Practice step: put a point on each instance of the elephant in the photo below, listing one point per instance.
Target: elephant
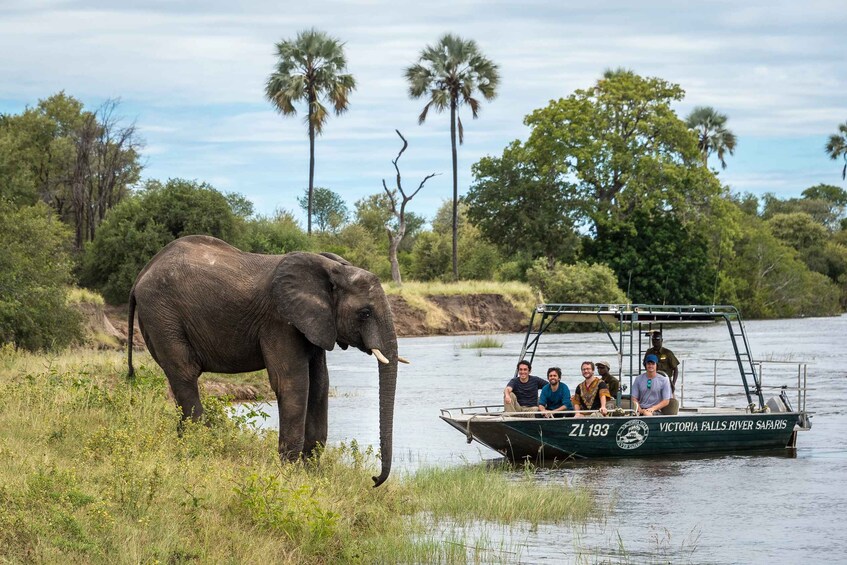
(204, 305)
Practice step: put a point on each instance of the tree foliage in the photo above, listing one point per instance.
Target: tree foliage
(712, 134)
(274, 236)
(626, 149)
(836, 147)
(521, 209)
(822, 202)
(768, 280)
(657, 259)
(580, 282)
(373, 213)
(310, 69)
(431, 255)
(449, 74)
(80, 162)
(35, 271)
(329, 211)
(141, 225)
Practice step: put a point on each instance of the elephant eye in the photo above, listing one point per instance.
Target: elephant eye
(365, 313)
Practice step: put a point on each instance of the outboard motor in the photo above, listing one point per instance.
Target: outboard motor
(781, 404)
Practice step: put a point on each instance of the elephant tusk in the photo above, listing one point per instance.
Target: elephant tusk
(403, 360)
(379, 356)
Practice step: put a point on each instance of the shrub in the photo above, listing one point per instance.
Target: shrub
(580, 283)
(35, 271)
(138, 227)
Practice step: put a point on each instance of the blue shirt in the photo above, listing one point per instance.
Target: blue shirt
(552, 399)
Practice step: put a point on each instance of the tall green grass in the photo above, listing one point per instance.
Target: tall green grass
(486, 342)
(93, 471)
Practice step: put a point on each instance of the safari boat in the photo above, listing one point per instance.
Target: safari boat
(763, 424)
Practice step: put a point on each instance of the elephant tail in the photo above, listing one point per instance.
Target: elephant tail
(130, 327)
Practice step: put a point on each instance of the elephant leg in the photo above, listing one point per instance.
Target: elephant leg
(316, 412)
(182, 372)
(289, 378)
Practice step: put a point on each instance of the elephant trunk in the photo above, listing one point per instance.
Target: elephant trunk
(387, 389)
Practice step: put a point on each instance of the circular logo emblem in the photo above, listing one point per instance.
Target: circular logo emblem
(632, 434)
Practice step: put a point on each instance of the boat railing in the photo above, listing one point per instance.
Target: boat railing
(497, 410)
(801, 375)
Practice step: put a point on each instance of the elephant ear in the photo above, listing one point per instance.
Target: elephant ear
(337, 258)
(304, 293)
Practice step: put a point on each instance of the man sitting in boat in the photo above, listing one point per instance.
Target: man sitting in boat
(604, 368)
(668, 363)
(521, 394)
(651, 391)
(555, 396)
(592, 393)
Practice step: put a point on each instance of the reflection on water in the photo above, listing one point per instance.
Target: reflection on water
(778, 508)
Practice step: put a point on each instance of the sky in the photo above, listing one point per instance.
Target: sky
(191, 76)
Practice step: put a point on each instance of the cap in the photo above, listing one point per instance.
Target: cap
(604, 363)
(651, 359)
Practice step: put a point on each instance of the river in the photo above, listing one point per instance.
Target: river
(716, 509)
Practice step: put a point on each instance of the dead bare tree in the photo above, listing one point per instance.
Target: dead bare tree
(396, 236)
(106, 165)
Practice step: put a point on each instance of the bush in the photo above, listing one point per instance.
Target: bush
(35, 271)
(580, 283)
(138, 227)
(274, 236)
(431, 257)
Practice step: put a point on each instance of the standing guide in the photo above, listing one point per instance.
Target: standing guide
(667, 361)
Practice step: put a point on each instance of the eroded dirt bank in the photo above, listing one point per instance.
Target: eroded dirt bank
(445, 315)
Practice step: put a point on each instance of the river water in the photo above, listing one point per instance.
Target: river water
(719, 509)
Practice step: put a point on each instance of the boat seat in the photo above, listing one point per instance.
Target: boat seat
(672, 409)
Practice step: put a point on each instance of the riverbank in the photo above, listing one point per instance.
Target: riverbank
(95, 472)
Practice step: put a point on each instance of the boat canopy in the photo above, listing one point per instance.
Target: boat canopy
(630, 319)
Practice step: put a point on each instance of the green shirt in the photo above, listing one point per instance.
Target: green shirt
(667, 360)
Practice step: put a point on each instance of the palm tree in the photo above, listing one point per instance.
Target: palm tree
(837, 147)
(712, 135)
(449, 73)
(308, 69)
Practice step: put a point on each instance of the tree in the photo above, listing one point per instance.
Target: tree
(822, 202)
(137, 228)
(310, 68)
(521, 209)
(449, 73)
(712, 133)
(327, 208)
(657, 259)
(431, 253)
(81, 163)
(373, 212)
(275, 235)
(837, 147)
(768, 280)
(396, 234)
(35, 271)
(625, 150)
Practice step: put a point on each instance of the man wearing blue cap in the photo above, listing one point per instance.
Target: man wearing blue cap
(651, 391)
(668, 363)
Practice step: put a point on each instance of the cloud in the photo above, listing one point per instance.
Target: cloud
(193, 74)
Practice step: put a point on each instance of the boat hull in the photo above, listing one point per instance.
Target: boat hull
(598, 437)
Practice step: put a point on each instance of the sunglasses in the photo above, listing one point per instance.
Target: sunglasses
(649, 384)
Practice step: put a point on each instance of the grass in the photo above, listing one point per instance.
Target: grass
(416, 294)
(486, 342)
(77, 295)
(94, 472)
